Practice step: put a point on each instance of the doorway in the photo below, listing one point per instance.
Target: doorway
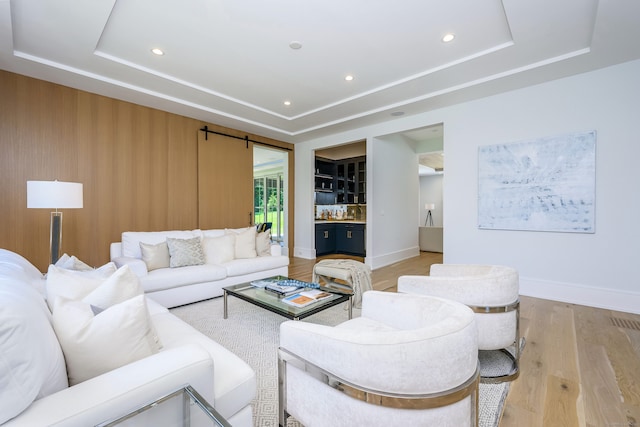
(270, 177)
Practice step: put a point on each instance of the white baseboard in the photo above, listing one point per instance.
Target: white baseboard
(610, 299)
(304, 253)
(393, 257)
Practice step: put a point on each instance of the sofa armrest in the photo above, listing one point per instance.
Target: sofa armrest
(276, 249)
(123, 390)
(136, 265)
(115, 250)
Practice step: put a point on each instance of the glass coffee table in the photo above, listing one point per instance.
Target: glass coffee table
(273, 302)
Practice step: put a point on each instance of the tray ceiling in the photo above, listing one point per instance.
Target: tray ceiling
(235, 63)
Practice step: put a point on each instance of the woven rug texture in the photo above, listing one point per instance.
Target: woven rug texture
(252, 333)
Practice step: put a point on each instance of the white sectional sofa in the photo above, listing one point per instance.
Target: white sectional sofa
(231, 256)
(34, 362)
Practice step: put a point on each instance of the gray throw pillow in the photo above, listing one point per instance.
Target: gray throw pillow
(184, 252)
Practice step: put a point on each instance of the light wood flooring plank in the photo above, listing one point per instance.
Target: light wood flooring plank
(600, 390)
(560, 409)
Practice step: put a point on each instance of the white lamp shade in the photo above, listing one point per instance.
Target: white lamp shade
(54, 195)
(429, 206)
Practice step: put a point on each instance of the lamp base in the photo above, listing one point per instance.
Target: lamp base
(55, 236)
(429, 219)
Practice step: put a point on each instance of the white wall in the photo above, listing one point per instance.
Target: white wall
(593, 269)
(392, 168)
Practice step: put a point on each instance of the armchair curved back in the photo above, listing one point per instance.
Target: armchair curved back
(403, 347)
(492, 291)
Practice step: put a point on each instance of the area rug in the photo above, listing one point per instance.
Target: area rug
(253, 334)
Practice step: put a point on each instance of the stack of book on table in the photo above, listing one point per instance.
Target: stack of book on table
(304, 298)
(283, 288)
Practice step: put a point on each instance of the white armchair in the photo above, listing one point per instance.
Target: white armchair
(406, 361)
(492, 292)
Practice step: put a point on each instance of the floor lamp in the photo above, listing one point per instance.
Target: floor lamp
(54, 195)
(429, 219)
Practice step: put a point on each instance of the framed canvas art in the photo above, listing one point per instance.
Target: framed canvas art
(546, 184)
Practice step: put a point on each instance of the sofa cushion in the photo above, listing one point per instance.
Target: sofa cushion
(185, 252)
(131, 239)
(155, 255)
(31, 361)
(167, 278)
(239, 267)
(95, 344)
(245, 242)
(218, 250)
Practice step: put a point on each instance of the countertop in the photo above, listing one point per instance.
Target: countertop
(342, 221)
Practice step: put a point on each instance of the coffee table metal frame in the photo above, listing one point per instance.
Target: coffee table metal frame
(272, 302)
(190, 398)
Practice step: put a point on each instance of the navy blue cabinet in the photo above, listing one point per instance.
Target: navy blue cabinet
(341, 181)
(325, 239)
(351, 175)
(324, 182)
(350, 239)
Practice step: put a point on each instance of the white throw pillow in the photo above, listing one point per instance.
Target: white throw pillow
(103, 271)
(263, 243)
(105, 286)
(218, 250)
(64, 258)
(185, 252)
(155, 256)
(121, 286)
(31, 361)
(93, 345)
(70, 284)
(73, 263)
(245, 242)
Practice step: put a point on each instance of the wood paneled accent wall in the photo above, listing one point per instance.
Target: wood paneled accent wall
(138, 165)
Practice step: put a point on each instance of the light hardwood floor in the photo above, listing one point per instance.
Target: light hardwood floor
(580, 365)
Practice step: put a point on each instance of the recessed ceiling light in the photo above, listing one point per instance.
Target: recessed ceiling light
(295, 45)
(157, 51)
(448, 37)
(287, 103)
(348, 77)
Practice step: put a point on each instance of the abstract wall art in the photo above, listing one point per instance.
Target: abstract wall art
(546, 184)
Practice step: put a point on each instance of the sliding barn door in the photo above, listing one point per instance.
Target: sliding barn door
(225, 182)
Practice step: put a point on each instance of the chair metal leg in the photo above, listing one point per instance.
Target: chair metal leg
(514, 372)
(282, 393)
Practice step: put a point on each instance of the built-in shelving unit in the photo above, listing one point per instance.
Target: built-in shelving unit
(345, 179)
